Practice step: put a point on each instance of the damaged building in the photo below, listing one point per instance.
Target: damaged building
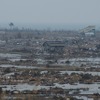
(54, 47)
(88, 31)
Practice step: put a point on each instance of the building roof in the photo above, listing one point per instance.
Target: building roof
(54, 43)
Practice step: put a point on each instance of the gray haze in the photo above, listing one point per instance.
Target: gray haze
(50, 11)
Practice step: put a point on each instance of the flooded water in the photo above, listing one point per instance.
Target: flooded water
(82, 98)
(17, 59)
(80, 61)
(21, 87)
(93, 88)
(16, 66)
(79, 72)
(10, 56)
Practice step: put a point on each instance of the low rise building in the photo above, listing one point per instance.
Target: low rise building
(54, 47)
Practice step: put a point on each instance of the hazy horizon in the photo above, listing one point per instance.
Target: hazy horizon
(48, 26)
(84, 12)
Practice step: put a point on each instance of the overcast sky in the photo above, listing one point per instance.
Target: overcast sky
(50, 11)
